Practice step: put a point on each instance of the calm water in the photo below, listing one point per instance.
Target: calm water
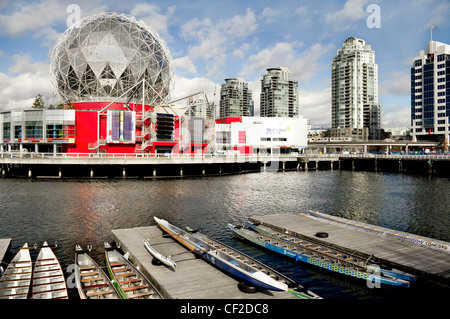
(84, 211)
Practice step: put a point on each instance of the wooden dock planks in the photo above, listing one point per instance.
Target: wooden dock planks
(193, 277)
(413, 258)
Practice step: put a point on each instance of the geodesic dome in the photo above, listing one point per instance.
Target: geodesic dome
(107, 56)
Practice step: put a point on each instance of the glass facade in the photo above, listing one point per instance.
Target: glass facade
(430, 93)
(46, 126)
(279, 94)
(235, 99)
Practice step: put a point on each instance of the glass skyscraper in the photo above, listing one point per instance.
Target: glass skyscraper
(279, 94)
(235, 98)
(430, 94)
(355, 111)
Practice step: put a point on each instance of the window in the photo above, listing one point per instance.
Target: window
(6, 130)
(54, 131)
(33, 129)
(18, 131)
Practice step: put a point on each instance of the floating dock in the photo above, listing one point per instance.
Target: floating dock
(426, 258)
(193, 277)
(5, 245)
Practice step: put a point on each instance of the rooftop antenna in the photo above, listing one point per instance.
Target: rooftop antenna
(431, 30)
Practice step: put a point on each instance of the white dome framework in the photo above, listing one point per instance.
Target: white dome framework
(107, 57)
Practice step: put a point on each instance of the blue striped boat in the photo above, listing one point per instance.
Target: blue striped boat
(308, 252)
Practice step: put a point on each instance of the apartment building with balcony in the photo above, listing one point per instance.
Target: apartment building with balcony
(355, 111)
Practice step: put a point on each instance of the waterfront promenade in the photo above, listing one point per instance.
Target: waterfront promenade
(91, 165)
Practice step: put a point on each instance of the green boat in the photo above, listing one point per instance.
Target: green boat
(127, 279)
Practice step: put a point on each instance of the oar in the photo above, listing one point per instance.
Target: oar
(192, 251)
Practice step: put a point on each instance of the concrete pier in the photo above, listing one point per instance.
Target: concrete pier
(193, 278)
(426, 258)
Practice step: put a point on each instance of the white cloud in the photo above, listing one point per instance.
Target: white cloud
(399, 83)
(25, 80)
(395, 116)
(270, 15)
(152, 16)
(32, 17)
(316, 106)
(212, 42)
(303, 65)
(353, 10)
(240, 52)
(184, 87)
(184, 63)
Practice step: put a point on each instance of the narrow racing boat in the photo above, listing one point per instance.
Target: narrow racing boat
(300, 249)
(234, 262)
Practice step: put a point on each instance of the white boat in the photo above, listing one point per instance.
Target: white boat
(165, 260)
(128, 280)
(91, 280)
(48, 277)
(15, 281)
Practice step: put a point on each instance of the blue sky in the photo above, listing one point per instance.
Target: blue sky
(213, 40)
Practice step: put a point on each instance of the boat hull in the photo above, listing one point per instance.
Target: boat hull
(91, 280)
(128, 280)
(322, 263)
(16, 279)
(214, 256)
(48, 277)
(398, 277)
(165, 260)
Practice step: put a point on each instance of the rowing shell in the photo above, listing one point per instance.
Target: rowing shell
(353, 260)
(314, 257)
(165, 260)
(234, 262)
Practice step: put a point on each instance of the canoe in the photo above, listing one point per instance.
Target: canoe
(165, 260)
(314, 254)
(48, 277)
(91, 280)
(336, 253)
(128, 280)
(234, 262)
(16, 279)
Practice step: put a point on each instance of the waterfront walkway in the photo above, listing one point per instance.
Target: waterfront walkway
(101, 165)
